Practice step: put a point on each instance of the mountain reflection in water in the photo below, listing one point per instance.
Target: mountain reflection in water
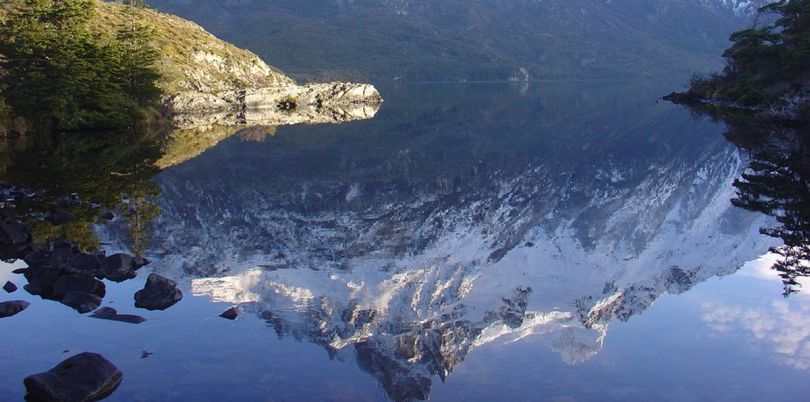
(471, 214)
(457, 217)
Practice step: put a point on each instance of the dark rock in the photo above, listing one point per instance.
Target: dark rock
(74, 283)
(85, 264)
(60, 217)
(682, 98)
(60, 257)
(118, 267)
(10, 308)
(109, 313)
(68, 201)
(8, 212)
(107, 215)
(159, 293)
(63, 244)
(84, 377)
(140, 262)
(81, 301)
(37, 259)
(41, 280)
(230, 313)
(13, 232)
(10, 287)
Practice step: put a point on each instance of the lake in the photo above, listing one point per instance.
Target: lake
(549, 241)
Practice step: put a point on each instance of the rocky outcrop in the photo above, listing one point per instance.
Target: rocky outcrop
(275, 105)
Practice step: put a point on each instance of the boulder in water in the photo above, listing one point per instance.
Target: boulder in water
(84, 377)
(109, 313)
(10, 308)
(159, 293)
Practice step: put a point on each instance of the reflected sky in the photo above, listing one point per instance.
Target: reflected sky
(677, 350)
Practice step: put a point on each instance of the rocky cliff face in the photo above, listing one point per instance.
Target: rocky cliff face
(207, 81)
(276, 105)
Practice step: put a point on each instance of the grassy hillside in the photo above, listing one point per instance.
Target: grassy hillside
(193, 59)
(79, 64)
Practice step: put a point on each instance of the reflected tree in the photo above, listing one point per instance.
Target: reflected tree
(777, 183)
(84, 175)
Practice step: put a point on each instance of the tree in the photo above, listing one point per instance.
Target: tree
(765, 65)
(59, 70)
(137, 57)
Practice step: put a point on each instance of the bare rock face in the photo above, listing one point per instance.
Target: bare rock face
(84, 377)
(276, 105)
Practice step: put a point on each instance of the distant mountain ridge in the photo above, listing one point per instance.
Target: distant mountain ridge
(458, 40)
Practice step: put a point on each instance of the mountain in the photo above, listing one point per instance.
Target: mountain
(418, 40)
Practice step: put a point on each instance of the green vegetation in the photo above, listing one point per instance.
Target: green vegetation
(767, 67)
(106, 170)
(57, 69)
(79, 64)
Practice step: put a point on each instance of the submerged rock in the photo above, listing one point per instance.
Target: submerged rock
(159, 293)
(109, 313)
(81, 301)
(231, 313)
(10, 287)
(84, 377)
(10, 308)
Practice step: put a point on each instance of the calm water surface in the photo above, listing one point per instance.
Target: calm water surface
(549, 242)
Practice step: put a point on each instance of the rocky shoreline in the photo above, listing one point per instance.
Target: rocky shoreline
(790, 113)
(334, 102)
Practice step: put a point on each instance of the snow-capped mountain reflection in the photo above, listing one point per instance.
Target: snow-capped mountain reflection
(408, 241)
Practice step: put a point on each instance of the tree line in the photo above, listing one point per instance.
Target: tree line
(61, 68)
(766, 65)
